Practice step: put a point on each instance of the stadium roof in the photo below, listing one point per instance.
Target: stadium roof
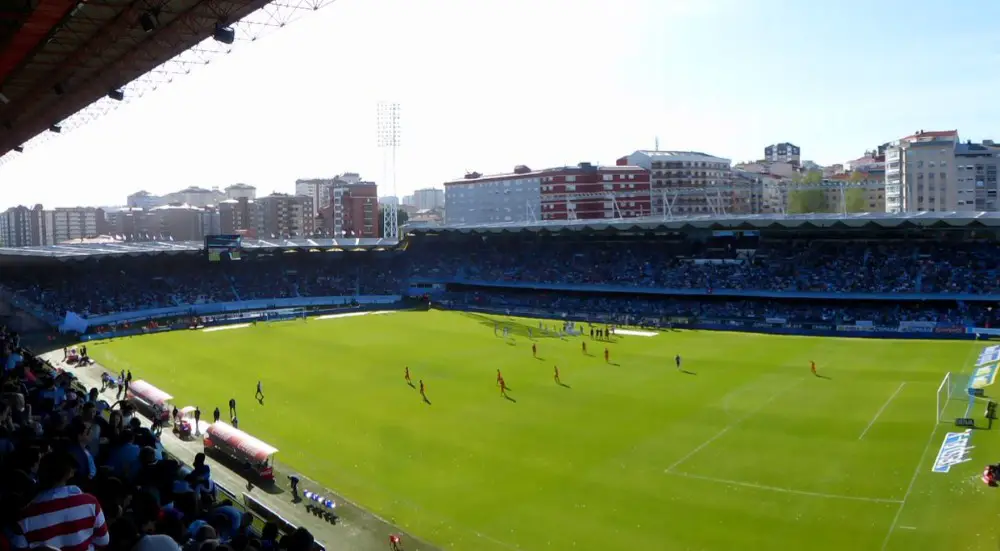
(734, 221)
(65, 62)
(96, 250)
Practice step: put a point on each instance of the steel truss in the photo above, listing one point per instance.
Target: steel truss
(109, 50)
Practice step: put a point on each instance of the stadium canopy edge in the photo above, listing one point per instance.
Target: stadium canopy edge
(72, 251)
(734, 221)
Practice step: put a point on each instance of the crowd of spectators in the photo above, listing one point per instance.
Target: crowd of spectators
(805, 266)
(77, 473)
(129, 284)
(98, 287)
(647, 310)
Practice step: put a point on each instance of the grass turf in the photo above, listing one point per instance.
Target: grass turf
(748, 451)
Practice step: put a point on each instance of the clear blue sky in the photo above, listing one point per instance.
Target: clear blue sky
(488, 84)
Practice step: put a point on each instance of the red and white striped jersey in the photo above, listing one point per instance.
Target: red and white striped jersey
(65, 518)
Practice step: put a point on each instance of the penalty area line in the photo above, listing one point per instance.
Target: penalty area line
(881, 409)
(781, 490)
(731, 426)
(909, 489)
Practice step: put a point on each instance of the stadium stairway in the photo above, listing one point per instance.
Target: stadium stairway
(346, 534)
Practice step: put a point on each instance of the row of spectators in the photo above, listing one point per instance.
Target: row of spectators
(818, 266)
(129, 284)
(96, 287)
(77, 473)
(633, 309)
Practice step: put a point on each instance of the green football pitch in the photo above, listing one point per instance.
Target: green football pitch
(745, 450)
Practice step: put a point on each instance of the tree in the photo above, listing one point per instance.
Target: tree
(802, 201)
(856, 198)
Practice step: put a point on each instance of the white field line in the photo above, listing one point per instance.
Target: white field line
(880, 410)
(353, 314)
(729, 427)
(226, 327)
(909, 489)
(781, 490)
(916, 471)
(634, 333)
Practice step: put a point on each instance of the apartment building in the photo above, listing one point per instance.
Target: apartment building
(976, 166)
(783, 153)
(858, 191)
(921, 175)
(584, 191)
(131, 221)
(353, 210)
(284, 215)
(428, 199)
(22, 227)
(71, 224)
(240, 191)
(688, 182)
(240, 216)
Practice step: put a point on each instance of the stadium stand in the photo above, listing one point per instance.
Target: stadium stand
(61, 446)
(79, 473)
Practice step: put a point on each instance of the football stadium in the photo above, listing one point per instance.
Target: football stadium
(716, 382)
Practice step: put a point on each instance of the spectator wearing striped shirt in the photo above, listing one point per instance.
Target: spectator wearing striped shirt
(61, 516)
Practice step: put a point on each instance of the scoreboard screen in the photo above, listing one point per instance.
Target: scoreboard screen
(223, 247)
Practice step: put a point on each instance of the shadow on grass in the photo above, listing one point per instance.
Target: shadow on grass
(686, 372)
(818, 376)
(517, 328)
(509, 398)
(562, 384)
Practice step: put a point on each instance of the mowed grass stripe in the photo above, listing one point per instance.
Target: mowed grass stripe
(583, 467)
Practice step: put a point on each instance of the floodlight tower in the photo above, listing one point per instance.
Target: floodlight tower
(388, 141)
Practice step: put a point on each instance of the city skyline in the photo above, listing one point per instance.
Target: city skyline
(728, 79)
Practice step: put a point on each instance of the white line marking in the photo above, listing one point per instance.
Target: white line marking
(353, 314)
(909, 489)
(634, 333)
(916, 472)
(729, 427)
(907, 527)
(880, 410)
(785, 490)
(226, 327)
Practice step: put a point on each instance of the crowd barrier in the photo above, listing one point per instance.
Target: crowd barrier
(230, 318)
(740, 293)
(76, 322)
(777, 326)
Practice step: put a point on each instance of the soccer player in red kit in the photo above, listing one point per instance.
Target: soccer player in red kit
(812, 367)
(394, 544)
(499, 377)
(534, 350)
(503, 388)
(607, 355)
(557, 374)
(406, 375)
(422, 389)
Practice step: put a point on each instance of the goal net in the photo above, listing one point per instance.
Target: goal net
(953, 398)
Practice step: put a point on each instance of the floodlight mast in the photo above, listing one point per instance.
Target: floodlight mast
(388, 141)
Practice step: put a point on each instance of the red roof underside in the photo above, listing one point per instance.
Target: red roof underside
(46, 16)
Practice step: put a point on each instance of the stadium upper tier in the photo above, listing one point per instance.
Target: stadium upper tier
(734, 221)
(119, 248)
(900, 263)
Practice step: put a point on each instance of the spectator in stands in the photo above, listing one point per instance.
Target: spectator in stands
(61, 515)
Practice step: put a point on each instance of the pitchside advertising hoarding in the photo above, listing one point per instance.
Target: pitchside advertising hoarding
(954, 450)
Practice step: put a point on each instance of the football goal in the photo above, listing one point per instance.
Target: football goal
(954, 400)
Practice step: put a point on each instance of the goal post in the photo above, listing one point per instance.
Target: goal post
(954, 399)
(943, 397)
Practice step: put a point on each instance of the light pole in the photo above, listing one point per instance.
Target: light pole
(388, 141)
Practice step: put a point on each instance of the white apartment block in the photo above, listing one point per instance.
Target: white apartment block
(921, 176)
(686, 182)
(71, 224)
(428, 199)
